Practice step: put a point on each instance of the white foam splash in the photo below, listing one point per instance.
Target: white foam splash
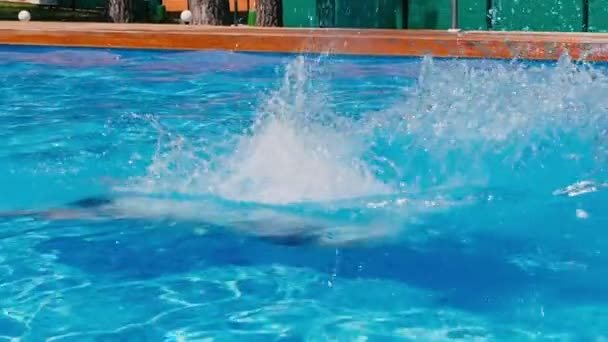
(463, 125)
(283, 164)
(297, 151)
(579, 188)
(294, 155)
(582, 214)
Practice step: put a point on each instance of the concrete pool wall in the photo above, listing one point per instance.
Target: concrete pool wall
(470, 44)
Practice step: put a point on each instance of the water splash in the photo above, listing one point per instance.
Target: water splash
(498, 124)
(579, 188)
(465, 133)
(296, 152)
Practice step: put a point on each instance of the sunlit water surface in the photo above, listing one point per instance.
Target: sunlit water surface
(443, 199)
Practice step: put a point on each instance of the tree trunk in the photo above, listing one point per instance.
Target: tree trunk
(209, 12)
(119, 11)
(269, 13)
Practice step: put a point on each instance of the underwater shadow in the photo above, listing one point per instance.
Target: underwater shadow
(475, 276)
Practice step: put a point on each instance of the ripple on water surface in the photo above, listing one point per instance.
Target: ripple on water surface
(477, 188)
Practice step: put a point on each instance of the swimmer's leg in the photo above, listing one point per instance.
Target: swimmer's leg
(91, 202)
(291, 240)
(320, 240)
(19, 213)
(311, 236)
(86, 208)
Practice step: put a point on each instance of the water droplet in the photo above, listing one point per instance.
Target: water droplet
(581, 214)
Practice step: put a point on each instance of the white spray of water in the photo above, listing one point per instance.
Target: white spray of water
(297, 151)
(291, 157)
(460, 126)
(502, 103)
(499, 124)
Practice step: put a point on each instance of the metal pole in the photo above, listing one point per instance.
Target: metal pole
(235, 19)
(455, 16)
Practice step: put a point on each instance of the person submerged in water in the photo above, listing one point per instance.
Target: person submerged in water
(90, 207)
(277, 229)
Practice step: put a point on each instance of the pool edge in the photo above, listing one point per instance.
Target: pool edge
(415, 43)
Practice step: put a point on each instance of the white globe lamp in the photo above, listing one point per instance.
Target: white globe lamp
(24, 16)
(186, 16)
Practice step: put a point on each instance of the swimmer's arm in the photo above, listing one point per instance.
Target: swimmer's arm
(88, 208)
(52, 214)
(19, 213)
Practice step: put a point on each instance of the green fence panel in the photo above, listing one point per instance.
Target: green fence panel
(326, 10)
(473, 14)
(437, 14)
(343, 13)
(598, 16)
(300, 13)
(545, 15)
(369, 13)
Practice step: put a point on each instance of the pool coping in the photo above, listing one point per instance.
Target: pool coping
(470, 44)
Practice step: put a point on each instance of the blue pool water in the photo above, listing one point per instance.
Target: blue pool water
(288, 198)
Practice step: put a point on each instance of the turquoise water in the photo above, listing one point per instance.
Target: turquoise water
(280, 197)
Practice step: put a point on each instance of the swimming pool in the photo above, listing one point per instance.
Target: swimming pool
(447, 199)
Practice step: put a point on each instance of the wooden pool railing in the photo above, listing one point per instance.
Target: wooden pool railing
(470, 44)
